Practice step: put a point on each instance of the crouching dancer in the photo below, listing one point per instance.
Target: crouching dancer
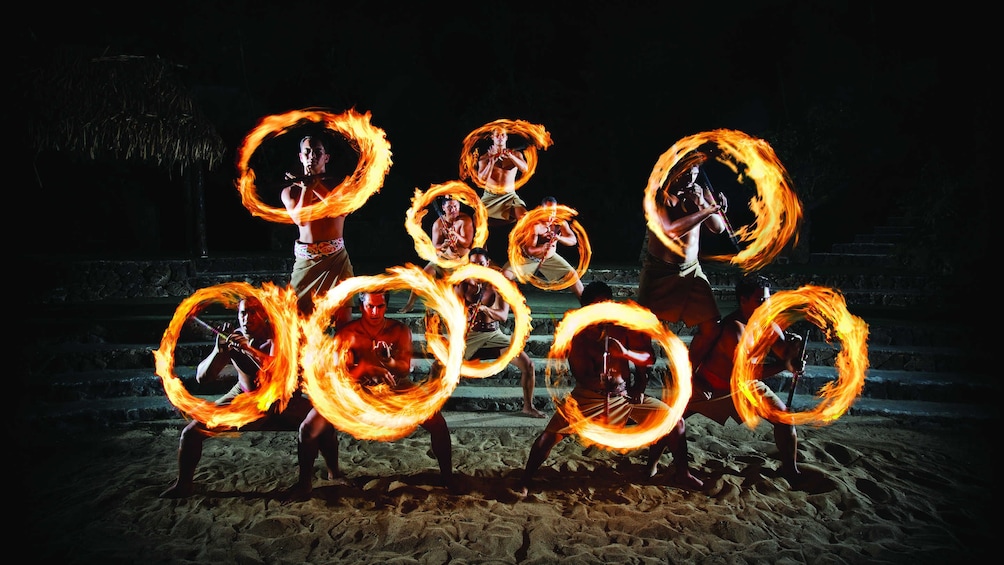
(247, 349)
(601, 392)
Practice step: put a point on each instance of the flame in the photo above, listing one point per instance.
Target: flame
(825, 308)
(367, 179)
(635, 317)
(777, 208)
(419, 208)
(536, 134)
(378, 413)
(521, 324)
(277, 379)
(522, 236)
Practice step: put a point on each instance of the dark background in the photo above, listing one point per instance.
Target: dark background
(876, 111)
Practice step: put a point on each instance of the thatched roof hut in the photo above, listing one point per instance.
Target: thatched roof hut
(131, 109)
(123, 107)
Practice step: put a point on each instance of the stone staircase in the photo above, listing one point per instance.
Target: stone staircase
(92, 332)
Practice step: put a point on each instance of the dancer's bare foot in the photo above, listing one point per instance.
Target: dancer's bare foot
(653, 469)
(178, 491)
(522, 492)
(533, 412)
(338, 478)
(687, 481)
(791, 473)
(522, 488)
(405, 309)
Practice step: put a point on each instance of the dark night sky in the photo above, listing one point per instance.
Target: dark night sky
(876, 87)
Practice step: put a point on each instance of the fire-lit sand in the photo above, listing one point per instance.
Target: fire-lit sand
(877, 490)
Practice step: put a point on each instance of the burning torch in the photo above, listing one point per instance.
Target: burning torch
(728, 225)
(797, 374)
(229, 339)
(606, 375)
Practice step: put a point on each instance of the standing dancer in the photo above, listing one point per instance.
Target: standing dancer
(497, 169)
(672, 284)
(486, 310)
(321, 262)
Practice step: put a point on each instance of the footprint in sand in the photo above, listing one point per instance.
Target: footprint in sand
(872, 490)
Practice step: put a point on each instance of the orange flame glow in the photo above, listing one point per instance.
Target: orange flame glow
(777, 208)
(538, 136)
(825, 308)
(378, 413)
(521, 316)
(419, 208)
(522, 235)
(367, 179)
(277, 379)
(635, 317)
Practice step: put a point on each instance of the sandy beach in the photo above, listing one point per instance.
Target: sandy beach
(878, 490)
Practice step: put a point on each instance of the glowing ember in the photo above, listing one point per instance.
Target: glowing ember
(419, 208)
(517, 303)
(634, 317)
(825, 308)
(777, 208)
(352, 193)
(277, 379)
(538, 136)
(378, 413)
(522, 236)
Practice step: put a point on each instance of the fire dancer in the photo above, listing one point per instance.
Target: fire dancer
(486, 310)
(600, 358)
(542, 257)
(712, 393)
(497, 169)
(452, 236)
(321, 258)
(672, 284)
(246, 350)
(321, 262)
(379, 353)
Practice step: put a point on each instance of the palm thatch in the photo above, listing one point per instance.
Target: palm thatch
(132, 108)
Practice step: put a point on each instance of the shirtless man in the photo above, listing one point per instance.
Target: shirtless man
(673, 286)
(542, 257)
(321, 262)
(246, 350)
(380, 351)
(321, 258)
(452, 236)
(497, 169)
(712, 395)
(486, 310)
(600, 359)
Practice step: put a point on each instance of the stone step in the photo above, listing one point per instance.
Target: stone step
(888, 236)
(73, 357)
(901, 298)
(132, 320)
(85, 363)
(896, 381)
(462, 406)
(81, 281)
(133, 324)
(877, 261)
(872, 288)
(864, 248)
